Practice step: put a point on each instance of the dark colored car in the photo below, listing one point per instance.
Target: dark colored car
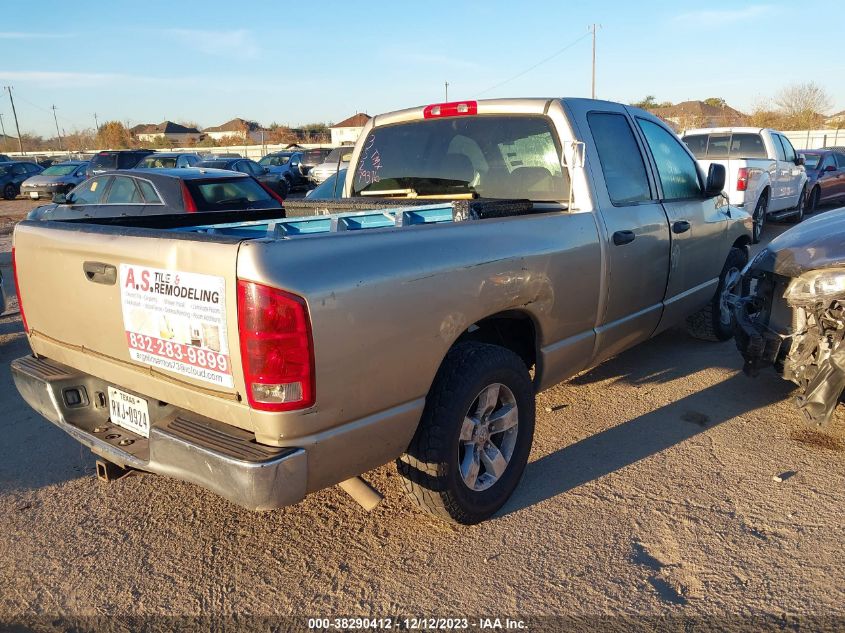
(330, 189)
(4, 158)
(275, 182)
(111, 160)
(159, 192)
(789, 305)
(57, 178)
(313, 157)
(169, 160)
(13, 174)
(287, 165)
(825, 176)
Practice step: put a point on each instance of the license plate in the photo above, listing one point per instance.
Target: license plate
(33, 195)
(130, 412)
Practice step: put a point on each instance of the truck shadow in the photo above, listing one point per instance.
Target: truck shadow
(639, 438)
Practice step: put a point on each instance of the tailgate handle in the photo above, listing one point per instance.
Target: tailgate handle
(100, 273)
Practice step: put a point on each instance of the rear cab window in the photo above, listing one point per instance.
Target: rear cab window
(492, 156)
(104, 161)
(722, 145)
(621, 161)
(229, 193)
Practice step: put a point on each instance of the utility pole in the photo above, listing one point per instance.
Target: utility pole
(5, 138)
(59, 134)
(96, 123)
(447, 91)
(15, 114)
(593, 28)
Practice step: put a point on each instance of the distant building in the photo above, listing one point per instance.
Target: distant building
(692, 114)
(173, 132)
(240, 128)
(348, 130)
(7, 143)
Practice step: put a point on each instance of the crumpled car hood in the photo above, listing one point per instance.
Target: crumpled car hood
(814, 244)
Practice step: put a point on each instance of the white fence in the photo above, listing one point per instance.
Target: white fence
(815, 139)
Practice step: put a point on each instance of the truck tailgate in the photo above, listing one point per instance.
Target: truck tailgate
(155, 314)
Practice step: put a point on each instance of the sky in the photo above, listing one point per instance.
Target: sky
(301, 62)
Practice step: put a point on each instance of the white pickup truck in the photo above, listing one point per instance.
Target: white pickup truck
(764, 173)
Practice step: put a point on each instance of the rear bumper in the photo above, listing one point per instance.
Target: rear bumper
(181, 445)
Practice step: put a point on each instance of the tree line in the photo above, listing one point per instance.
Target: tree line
(116, 135)
(801, 106)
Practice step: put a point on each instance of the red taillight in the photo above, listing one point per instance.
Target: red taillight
(453, 108)
(188, 199)
(276, 348)
(18, 291)
(275, 196)
(742, 179)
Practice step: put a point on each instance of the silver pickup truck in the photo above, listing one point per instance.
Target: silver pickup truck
(495, 248)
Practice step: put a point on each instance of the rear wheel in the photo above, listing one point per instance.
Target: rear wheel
(759, 217)
(715, 321)
(9, 192)
(796, 217)
(813, 201)
(472, 444)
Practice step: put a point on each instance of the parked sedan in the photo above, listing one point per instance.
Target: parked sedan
(825, 176)
(159, 192)
(13, 174)
(168, 160)
(337, 159)
(58, 178)
(274, 182)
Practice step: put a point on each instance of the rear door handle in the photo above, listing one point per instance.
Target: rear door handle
(681, 226)
(623, 237)
(100, 273)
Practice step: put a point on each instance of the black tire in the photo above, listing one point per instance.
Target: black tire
(709, 324)
(284, 187)
(813, 200)
(759, 216)
(431, 466)
(9, 192)
(796, 217)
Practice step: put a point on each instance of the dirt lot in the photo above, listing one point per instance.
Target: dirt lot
(651, 491)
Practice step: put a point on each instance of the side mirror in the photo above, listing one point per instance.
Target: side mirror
(266, 170)
(59, 198)
(715, 180)
(830, 168)
(799, 160)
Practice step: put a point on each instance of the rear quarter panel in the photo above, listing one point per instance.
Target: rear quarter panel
(387, 305)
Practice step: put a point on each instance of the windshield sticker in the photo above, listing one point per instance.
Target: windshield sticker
(176, 321)
(370, 162)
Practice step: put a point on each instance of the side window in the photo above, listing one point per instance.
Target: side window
(840, 161)
(192, 160)
(620, 158)
(19, 170)
(256, 169)
(81, 171)
(32, 168)
(677, 169)
(149, 192)
(242, 167)
(182, 161)
(91, 191)
(781, 155)
(124, 191)
(788, 151)
(828, 160)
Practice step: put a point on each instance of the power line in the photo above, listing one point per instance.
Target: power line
(540, 63)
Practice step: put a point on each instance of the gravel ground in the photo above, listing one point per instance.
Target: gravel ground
(662, 483)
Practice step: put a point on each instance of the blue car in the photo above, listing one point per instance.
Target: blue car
(287, 165)
(12, 175)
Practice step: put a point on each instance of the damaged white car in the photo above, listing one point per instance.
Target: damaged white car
(789, 303)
